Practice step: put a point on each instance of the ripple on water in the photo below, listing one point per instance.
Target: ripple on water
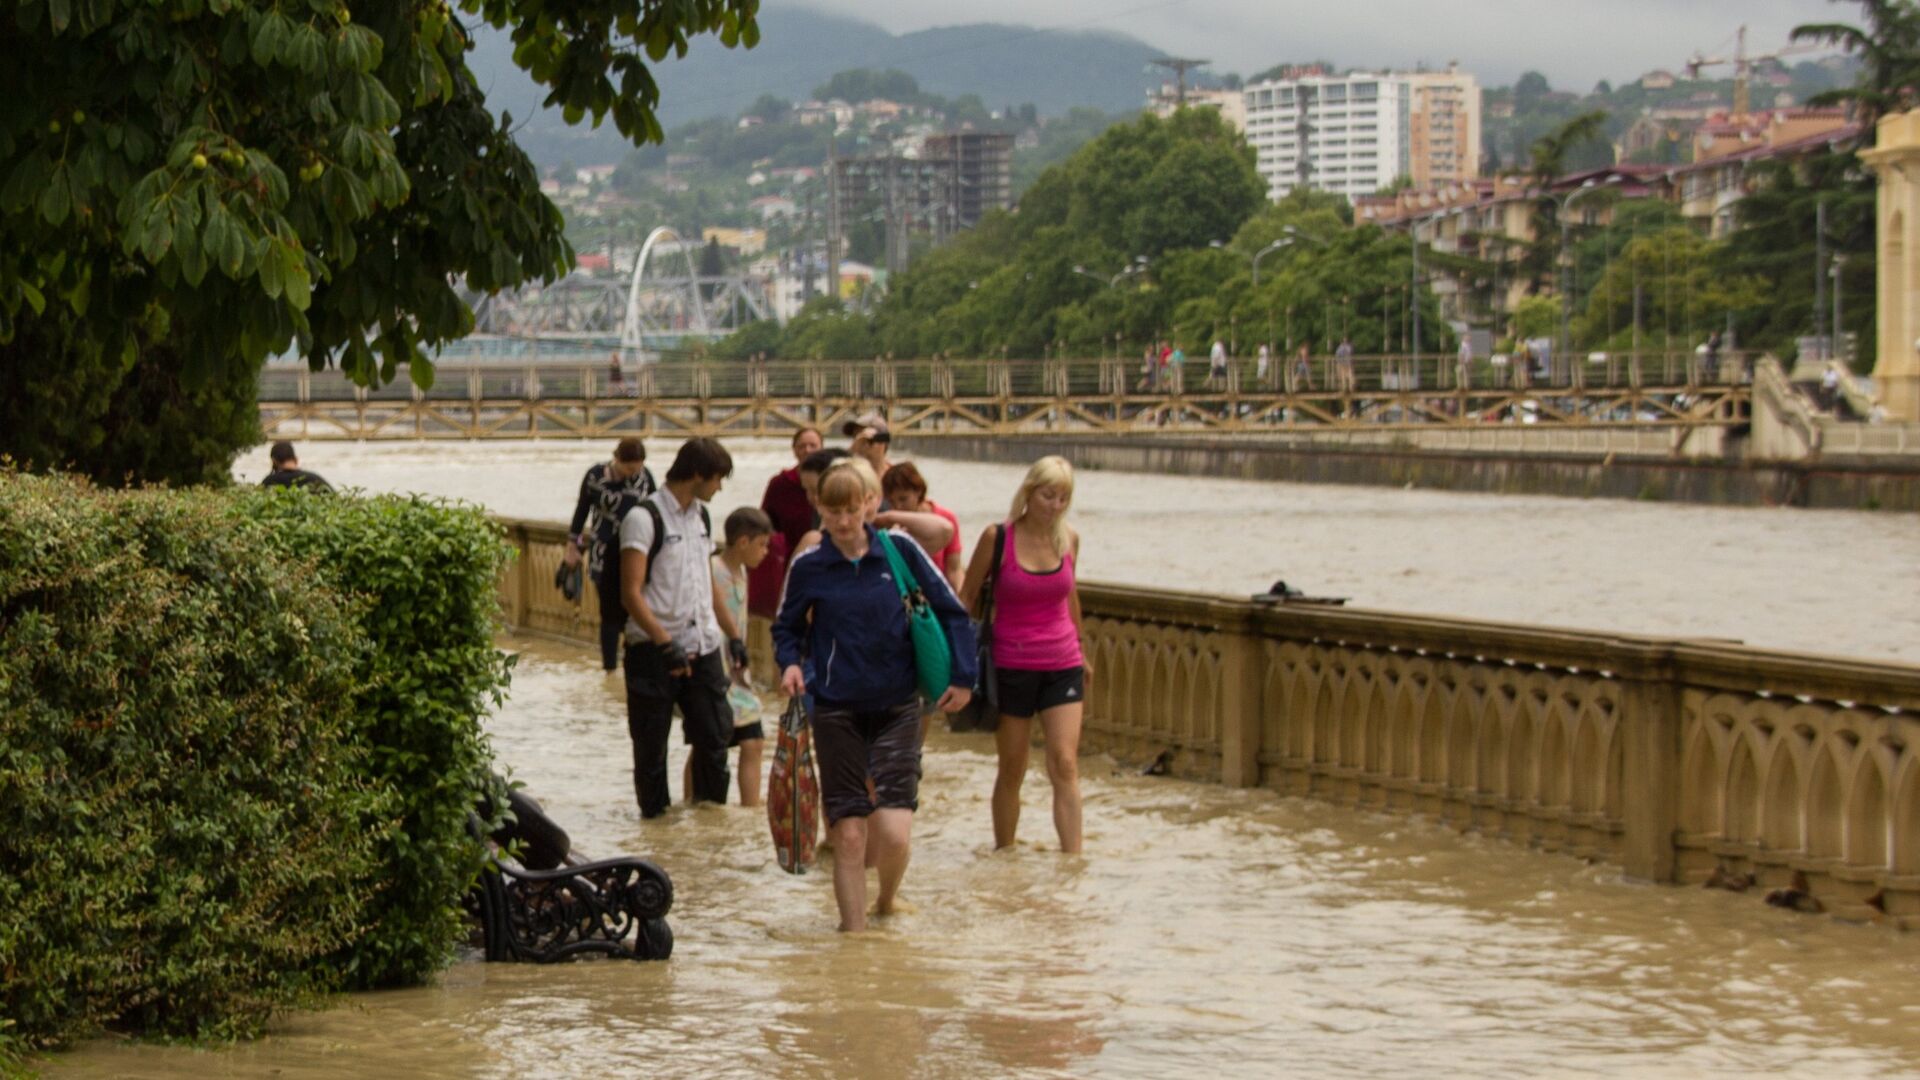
(1206, 929)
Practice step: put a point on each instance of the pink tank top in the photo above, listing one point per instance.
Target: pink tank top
(1032, 629)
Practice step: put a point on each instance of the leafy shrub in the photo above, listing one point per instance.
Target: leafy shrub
(239, 740)
(429, 573)
(185, 793)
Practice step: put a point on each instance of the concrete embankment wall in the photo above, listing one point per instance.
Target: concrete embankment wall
(1827, 483)
(1672, 759)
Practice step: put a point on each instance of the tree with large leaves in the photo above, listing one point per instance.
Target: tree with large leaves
(188, 187)
(1888, 44)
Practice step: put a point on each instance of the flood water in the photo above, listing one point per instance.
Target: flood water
(1206, 932)
(1823, 581)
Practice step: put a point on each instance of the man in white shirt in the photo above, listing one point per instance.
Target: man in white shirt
(1217, 364)
(678, 629)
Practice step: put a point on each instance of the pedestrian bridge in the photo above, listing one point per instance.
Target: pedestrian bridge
(931, 398)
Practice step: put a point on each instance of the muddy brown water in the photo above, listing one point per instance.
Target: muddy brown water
(1207, 931)
(1824, 581)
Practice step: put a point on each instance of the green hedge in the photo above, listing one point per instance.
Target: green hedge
(239, 736)
(430, 575)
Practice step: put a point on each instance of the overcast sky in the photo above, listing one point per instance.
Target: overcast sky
(1574, 42)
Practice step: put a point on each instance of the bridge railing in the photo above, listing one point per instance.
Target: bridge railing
(1673, 759)
(992, 378)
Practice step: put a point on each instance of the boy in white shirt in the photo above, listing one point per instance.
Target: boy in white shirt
(749, 533)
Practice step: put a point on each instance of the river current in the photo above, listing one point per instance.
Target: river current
(1828, 581)
(1206, 932)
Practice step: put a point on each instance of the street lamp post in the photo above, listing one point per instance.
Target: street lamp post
(1564, 203)
(1838, 260)
(1137, 266)
(1256, 256)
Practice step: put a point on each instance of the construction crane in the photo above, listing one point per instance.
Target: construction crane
(1742, 66)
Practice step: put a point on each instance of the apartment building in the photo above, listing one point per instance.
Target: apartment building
(1347, 134)
(981, 172)
(1443, 132)
(1356, 133)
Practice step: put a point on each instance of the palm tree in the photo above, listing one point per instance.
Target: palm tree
(1889, 48)
(1548, 159)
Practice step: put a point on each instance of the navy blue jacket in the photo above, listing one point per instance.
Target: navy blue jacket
(861, 649)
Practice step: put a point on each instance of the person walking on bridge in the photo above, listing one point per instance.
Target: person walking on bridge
(1036, 631)
(1344, 382)
(1302, 373)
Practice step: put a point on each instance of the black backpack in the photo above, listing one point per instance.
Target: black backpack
(660, 530)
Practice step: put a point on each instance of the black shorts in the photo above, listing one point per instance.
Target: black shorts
(1025, 694)
(747, 733)
(854, 746)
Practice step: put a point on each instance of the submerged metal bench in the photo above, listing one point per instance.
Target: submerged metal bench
(570, 906)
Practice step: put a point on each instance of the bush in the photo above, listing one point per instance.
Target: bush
(239, 741)
(185, 793)
(429, 573)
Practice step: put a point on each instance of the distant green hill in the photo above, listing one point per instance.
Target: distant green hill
(1055, 70)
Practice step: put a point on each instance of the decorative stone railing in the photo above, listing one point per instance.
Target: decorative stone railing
(1673, 759)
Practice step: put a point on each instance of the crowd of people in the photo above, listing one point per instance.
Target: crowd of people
(809, 596)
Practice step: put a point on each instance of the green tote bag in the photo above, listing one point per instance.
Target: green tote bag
(932, 653)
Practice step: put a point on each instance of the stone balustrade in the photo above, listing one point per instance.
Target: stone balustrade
(1673, 759)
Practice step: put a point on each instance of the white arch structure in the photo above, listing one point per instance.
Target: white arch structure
(684, 290)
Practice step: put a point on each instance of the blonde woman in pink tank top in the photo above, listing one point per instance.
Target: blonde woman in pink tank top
(1036, 645)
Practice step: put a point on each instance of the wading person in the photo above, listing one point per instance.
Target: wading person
(932, 531)
(287, 471)
(872, 441)
(905, 491)
(786, 499)
(678, 629)
(788, 506)
(607, 492)
(1036, 646)
(844, 609)
(748, 536)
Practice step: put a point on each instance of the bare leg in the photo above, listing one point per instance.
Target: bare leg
(1062, 726)
(686, 782)
(750, 771)
(1013, 739)
(850, 871)
(889, 839)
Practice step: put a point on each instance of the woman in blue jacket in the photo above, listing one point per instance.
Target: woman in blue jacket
(843, 608)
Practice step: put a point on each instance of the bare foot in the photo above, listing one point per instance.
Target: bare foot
(896, 906)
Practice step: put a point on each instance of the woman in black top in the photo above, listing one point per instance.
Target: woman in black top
(607, 492)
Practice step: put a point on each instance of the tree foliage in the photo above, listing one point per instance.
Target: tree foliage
(1150, 232)
(1685, 293)
(1775, 244)
(190, 186)
(1888, 43)
(864, 84)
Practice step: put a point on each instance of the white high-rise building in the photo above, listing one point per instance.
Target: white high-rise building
(1354, 134)
(1342, 133)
